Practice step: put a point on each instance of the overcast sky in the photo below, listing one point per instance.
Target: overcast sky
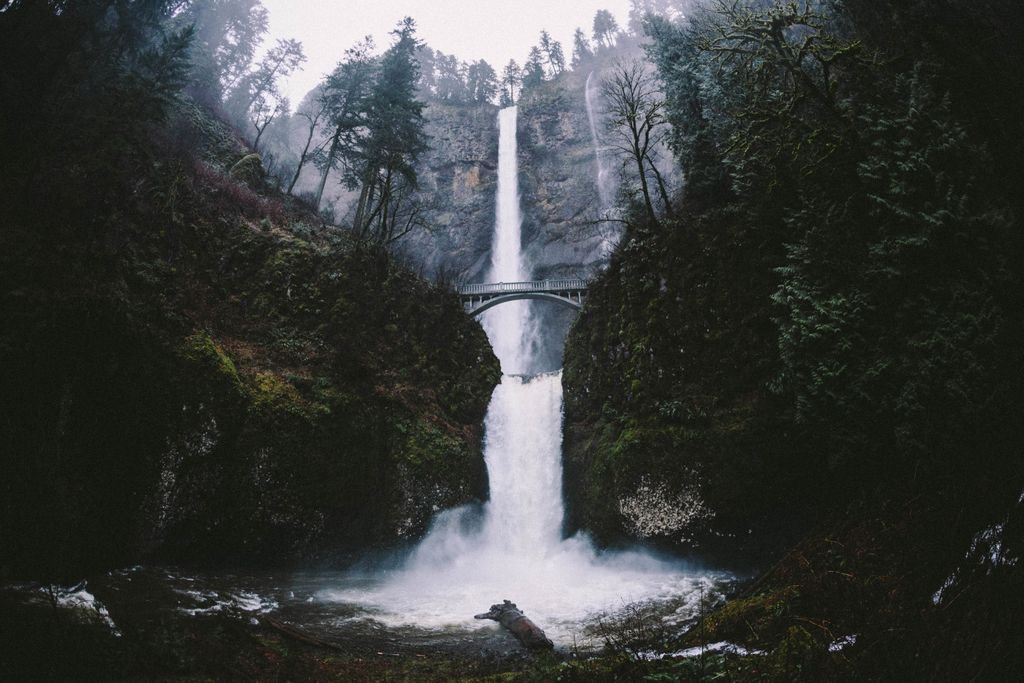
(494, 30)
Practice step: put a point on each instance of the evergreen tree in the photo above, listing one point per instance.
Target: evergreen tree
(552, 52)
(313, 111)
(344, 94)
(384, 157)
(227, 34)
(260, 84)
(556, 58)
(89, 83)
(605, 28)
(639, 10)
(511, 80)
(481, 82)
(451, 78)
(428, 75)
(581, 51)
(533, 70)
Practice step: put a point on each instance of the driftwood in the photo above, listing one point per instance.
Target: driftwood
(301, 636)
(527, 632)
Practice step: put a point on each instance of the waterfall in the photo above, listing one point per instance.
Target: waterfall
(508, 326)
(515, 550)
(523, 427)
(604, 188)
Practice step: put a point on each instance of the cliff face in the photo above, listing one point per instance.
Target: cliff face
(228, 383)
(458, 181)
(558, 181)
(671, 433)
(557, 184)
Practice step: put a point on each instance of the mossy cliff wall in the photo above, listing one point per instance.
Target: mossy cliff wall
(671, 433)
(224, 382)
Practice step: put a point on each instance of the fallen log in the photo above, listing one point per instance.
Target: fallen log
(296, 634)
(527, 632)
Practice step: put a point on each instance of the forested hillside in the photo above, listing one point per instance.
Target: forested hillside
(822, 339)
(195, 367)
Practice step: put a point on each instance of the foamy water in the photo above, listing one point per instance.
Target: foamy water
(513, 549)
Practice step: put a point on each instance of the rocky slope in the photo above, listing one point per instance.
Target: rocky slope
(199, 372)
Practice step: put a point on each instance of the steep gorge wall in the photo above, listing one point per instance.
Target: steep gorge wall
(231, 385)
(458, 180)
(558, 181)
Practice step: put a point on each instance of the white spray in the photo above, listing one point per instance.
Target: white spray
(517, 551)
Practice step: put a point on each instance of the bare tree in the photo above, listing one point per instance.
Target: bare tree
(636, 119)
(262, 112)
(318, 110)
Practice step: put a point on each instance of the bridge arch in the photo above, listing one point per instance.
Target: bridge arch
(477, 298)
(542, 296)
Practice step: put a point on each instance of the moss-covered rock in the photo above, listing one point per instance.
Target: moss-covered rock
(209, 358)
(249, 170)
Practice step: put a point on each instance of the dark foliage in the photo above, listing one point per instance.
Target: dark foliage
(831, 326)
(195, 369)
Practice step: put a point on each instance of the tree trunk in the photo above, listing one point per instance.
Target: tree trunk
(661, 187)
(644, 188)
(335, 143)
(525, 631)
(302, 158)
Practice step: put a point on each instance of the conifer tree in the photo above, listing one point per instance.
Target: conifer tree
(552, 52)
(384, 157)
(227, 34)
(344, 95)
(511, 80)
(533, 70)
(481, 82)
(581, 51)
(260, 84)
(605, 28)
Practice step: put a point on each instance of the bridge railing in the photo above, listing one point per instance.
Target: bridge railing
(535, 286)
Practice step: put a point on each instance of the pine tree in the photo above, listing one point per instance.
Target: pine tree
(344, 94)
(552, 52)
(605, 28)
(481, 82)
(260, 84)
(581, 51)
(228, 32)
(511, 80)
(533, 70)
(385, 157)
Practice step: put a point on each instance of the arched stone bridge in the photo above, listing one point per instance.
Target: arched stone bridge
(567, 292)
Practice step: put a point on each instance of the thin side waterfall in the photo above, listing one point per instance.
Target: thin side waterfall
(602, 175)
(514, 547)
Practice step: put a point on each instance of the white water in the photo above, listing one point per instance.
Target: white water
(516, 551)
(603, 175)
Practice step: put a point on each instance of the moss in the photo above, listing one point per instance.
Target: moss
(753, 620)
(273, 395)
(249, 170)
(200, 349)
(292, 454)
(428, 447)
